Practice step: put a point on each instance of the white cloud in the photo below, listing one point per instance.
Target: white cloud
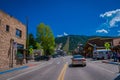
(118, 34)
(118, 31)
(59, 35)
(110, 13)
(65, 34)
(114, 21)
(101, 31)
(112, 17)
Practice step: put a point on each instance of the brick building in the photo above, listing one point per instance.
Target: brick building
(12, 41)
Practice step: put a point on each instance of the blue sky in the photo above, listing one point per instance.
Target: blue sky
(77, 17)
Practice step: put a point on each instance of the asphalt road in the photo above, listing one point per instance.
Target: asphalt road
(95, 70)
(60, 69)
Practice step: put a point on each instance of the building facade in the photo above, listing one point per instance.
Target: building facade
(12, 41)
(116, 41)
(99, 43)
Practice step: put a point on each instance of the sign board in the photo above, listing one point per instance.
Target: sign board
(31, 50)
(107, 45)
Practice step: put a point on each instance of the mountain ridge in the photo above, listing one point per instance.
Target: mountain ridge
(74, 40)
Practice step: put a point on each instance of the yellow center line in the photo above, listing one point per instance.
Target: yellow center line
(62, 74)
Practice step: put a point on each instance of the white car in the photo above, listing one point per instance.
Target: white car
(78, 60)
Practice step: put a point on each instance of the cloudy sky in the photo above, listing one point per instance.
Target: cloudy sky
(65, 17)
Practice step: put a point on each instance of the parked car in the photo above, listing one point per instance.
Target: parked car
(101, 54)
(38, 58)
(78, 60)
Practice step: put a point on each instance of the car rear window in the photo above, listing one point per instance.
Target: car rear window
(77, 56)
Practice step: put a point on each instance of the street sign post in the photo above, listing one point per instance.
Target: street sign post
(31, 50)
(107, 45)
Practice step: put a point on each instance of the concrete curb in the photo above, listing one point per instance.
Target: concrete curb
(109, 62)
(19, 68)
(14, 69)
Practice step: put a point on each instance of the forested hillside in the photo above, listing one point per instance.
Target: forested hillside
(74, 40)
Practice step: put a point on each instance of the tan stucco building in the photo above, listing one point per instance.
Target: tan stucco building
(12, 40)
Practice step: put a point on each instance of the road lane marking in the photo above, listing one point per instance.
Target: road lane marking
(38, 67)
(62, 74)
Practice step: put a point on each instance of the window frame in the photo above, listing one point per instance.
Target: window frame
(7, 28)
(18, 33)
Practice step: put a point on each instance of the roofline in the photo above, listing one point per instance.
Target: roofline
(12, 17)
(100, 38)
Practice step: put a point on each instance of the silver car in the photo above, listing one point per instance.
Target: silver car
(78, 60)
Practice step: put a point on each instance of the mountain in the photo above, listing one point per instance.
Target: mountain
(74, 40)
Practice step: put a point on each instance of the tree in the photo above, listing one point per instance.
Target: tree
(46, 38)
(39, 47)
(32, 41)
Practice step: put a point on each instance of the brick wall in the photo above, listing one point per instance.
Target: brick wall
(5, 37)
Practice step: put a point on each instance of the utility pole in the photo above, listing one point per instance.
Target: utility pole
(27, 39)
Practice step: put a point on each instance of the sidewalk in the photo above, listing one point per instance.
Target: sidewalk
(110, 62)
(24, 66)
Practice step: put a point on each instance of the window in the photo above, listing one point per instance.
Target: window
(18, 33)
(20, 46)
(0, 22)
(7, 28)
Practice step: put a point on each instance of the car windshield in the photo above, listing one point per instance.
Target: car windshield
(77, 56)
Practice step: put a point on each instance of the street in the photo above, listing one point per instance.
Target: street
(61, 69)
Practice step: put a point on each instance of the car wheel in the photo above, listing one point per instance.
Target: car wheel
(84, 64)
(72, 65)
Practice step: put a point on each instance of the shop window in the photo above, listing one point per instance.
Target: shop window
(20, 46)
(18, 33)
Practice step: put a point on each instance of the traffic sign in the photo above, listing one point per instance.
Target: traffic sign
(107, 45)
(31, 50)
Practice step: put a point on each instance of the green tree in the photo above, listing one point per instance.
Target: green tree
(38, 45)
(46, 38)
(32, 41)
